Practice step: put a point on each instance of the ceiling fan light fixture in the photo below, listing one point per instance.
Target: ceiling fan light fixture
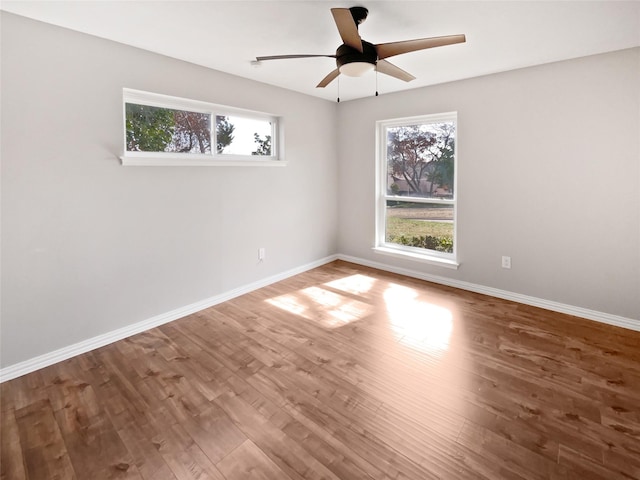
(356, 69)
(353, 63)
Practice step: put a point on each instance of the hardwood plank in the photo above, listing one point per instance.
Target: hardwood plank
(11, 456)
(350, 438)
(274, 444)
(502, 452)
(184, 457)
(581, 467)
(94, 447)
(335, 455)
(144, 454)
(248, 462)
(214, 432)
(343, 373)
(44, 451)
(22, 391)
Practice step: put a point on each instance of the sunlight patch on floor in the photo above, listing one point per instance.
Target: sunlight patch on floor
(420, 324)
(327, 308)
(354, 284)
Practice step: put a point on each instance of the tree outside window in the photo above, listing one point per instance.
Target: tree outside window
(417, 203)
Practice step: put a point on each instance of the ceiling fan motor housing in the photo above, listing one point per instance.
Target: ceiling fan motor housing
(359, 14)
(346, 55)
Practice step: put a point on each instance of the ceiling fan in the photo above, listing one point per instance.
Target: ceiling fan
(356, 56)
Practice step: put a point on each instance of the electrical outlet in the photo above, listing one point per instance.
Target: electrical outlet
(261, 253)
(506, 262)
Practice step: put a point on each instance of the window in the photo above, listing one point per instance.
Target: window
(163, 130)
(416, 207)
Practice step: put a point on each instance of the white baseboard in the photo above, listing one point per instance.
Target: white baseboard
(616, 320)
(31, 365)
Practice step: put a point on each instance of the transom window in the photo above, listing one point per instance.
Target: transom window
(164, 130)
(416, 207)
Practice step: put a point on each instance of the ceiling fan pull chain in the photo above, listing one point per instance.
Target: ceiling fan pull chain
(338, 89)
(376, 80)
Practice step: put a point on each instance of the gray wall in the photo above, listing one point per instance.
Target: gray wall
(90, 246)
(549, 174)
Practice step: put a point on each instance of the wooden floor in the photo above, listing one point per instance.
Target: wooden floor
(343, 372)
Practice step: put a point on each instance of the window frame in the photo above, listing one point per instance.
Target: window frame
(135, 158)
(444, 259)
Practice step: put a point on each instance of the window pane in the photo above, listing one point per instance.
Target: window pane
(157, 129)
(422, 225)
(420, 160)
(192, 133)
(243, 136)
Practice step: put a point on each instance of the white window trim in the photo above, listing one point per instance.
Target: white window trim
(140, 97)
(448, 260)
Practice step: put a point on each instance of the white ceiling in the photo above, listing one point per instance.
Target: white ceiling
(228, 35)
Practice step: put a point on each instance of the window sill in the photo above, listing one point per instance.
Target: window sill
(180, 161)
(424, 258)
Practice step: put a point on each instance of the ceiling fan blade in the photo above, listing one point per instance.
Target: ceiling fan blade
(283, 57)
(386, 50)
(347, 28)
(328, 79)
(389, 68)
